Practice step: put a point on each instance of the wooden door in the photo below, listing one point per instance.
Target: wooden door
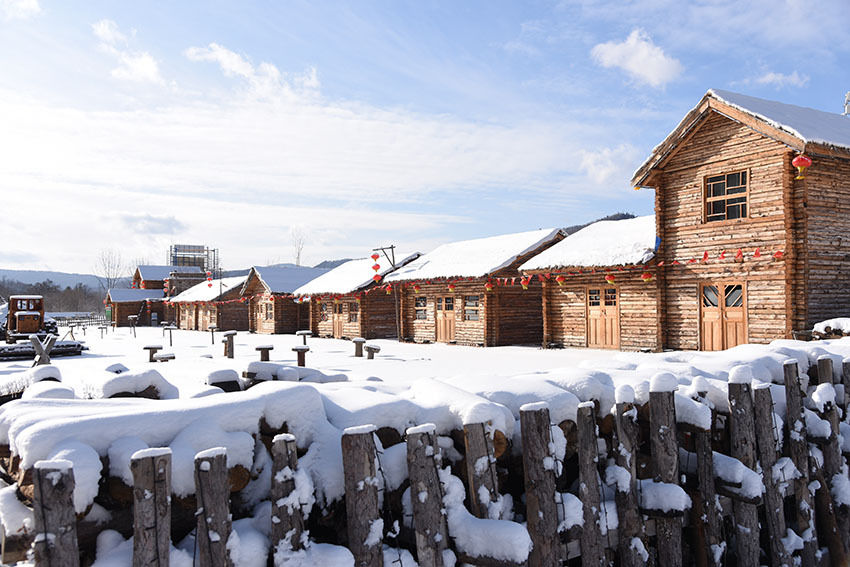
(603, 318)
(338, 321)
(445, 319)
(722, 316)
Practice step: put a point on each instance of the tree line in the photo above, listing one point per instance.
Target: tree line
(77, 298)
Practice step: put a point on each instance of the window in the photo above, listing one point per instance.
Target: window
(269, 312)
(470, 307)
(323, 316)
(450, 303)
(726, 197)
(420, 305)
(709, 296)
(353, 312)
(610, 297)
(734, 295)
(593, 297)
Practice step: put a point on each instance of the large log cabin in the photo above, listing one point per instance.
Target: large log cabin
(347, 303)
(598, 290)
(751, 250)
(471, 293)
(268, 291)
(215, 303)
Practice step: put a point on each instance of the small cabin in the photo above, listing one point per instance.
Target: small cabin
(472, 293)
(154, 277)
(347, 302)
(146, 304)
(599, 289)
(215, 303)
(272, 308)
(752, 248)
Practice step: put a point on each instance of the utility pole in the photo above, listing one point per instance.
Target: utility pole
(390, 256)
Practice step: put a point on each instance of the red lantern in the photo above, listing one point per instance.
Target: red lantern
(376, 278)
(488, 286)
(610, 278)
(560, 279)
(209, 284)
(417, 288)
(209, 273)
(375, 256)
(144, 285)
(376, 267)
(451, 287)
(801, 162)
(104, 302)
(389, 289)
(524, 282)
(646, 277)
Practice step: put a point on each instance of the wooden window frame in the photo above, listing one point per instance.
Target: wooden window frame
(706, 199)
(420, 308)
(353, 312)
(471, 312)
(268, 314)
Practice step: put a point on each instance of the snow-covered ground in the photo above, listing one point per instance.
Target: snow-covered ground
(405, 385)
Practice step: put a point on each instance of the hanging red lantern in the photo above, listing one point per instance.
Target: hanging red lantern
(376, 278)
(488, 286)
(144, 285)
(560, 279)
(389, 288)
(209, 273)
(209, 284)
(417, 288)
(801, 162)
(524, 282)
(375, 256)
(646, 277)
(104, 302)
(451, 287)
(376, 267)
(610, 278)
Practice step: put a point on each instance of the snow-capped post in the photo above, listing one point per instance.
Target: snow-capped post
(743, 447)
(363, 516)
(665, 462)
(706, 513)
(151, 470)
(538, 464)
(845, 383)
(592, 552)
(212, 491)
(55, 542)
(301, 352)
(212, 329)
(480, 467)
(229, 337)
(429, 522)
(799, 451)
(824, 369)
(630, 519)
(766, 438)
(833, 461)
(358, 346)
(286, 519)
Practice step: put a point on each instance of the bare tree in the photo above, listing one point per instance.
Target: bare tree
(299, 237)
(109, 267)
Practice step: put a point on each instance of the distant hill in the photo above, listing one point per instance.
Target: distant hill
(616, 216)
(62, 279)
(331, 264)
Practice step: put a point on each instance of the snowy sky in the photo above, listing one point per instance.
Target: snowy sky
(141, 124)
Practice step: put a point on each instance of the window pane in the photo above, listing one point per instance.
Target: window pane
(733, 179)
(734, 296)
(715, 179)
(421, 302)
(439, 304)
(593, 297)
(709, 296)
(610, 297)
(743, 178)
(450, 303)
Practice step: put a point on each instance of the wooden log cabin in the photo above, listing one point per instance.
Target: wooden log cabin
(346, 302)
(268, 291)
(154, 277)
(146, 304)
(598, 289)
(751, 250)
(471, 293)
(215, 303)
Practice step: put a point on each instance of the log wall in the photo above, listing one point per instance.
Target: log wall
(287, 316)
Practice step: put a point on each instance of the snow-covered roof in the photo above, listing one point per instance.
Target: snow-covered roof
(352, 275)
(286, 279)
(152, 273)
(474, 258)
(603, 243)
(204, 292)
(808, 124)
(128, 295)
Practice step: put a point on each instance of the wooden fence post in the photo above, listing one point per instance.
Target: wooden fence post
(799, 451)
(55, 519)
(365, 527)
(212, 491)
(538, 464)
(287, 517)
(845, 383)
(480, 467)
(833, 465)
(706, 514)
(773, 505)
(592, 551)
(665, 459)
(625, 453)
(743, 441)
(151, 507)
(429, 522)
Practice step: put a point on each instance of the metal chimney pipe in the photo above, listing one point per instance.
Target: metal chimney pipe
(847, 104)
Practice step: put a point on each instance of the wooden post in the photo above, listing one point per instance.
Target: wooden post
(665, 460)
(151, 507)
(845, 383)
(212, 329)
(766, 440)
(706, 514)
(358, 346)
(212, 491)
(365, 527)
(592, 552)
(833, 465)
(799, 451)
(625, 453)
(480, 467)
(301, 352)
(429, 522)
(538, 464)
(743, 440)
(229, 349)
(55, 519)
(287, 517)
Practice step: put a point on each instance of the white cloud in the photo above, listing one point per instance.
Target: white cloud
(19, 9)
(780, 80)
(610, 167)
(638, 56)
(134, 66)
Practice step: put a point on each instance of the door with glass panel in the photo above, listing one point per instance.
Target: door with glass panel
(723, 321)
(445, 319)
(603, 317)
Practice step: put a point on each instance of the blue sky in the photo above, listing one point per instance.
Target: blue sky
(140, 124)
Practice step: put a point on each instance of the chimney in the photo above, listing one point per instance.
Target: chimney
(847, 104)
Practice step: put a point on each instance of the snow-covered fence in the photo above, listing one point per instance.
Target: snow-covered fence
(732, 457)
